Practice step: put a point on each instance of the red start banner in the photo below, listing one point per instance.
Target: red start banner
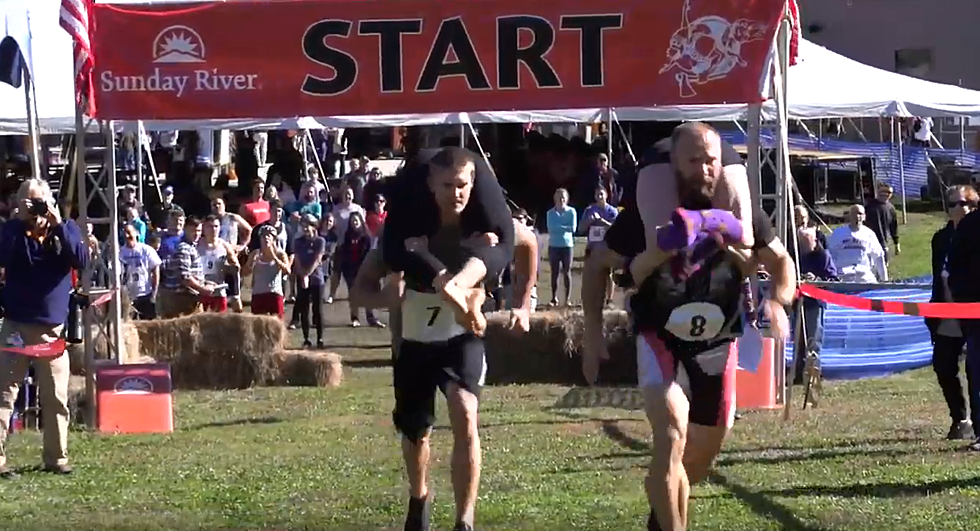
(280, 59)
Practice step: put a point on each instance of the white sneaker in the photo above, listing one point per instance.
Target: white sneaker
(328, 300)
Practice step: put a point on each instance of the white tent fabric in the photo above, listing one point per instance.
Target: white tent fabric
(825, 84)
(47, 49)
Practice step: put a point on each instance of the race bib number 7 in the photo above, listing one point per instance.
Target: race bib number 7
(696, 321)
(426, 318)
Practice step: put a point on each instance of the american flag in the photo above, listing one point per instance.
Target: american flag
(75, 18)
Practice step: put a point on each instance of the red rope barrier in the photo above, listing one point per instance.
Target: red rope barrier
(941, 310)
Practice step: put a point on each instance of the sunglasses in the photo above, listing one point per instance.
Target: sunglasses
(968, 204)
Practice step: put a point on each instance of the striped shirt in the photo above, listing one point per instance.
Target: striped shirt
(184, 263)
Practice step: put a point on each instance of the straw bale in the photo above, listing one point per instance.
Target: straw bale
(131, 352)
(551, 351)
(216, 350)
(306, 368)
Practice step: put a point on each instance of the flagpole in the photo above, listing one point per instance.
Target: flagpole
(32, 125)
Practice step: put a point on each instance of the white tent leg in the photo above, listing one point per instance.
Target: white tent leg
(622, 133)
(609, 136)
(139, 160)
(901, 172)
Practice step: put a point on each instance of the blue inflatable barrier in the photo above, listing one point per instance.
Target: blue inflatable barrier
(862, 344)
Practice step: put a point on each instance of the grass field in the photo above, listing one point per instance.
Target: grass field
(871, 457)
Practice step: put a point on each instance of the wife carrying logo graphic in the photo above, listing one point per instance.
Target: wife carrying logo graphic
(707, 49)
(180, 58)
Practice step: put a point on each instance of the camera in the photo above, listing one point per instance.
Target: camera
(37, 207)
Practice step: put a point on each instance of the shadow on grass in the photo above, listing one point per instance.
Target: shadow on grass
(236, 422)
(877, 490)
(371, 363)
(757, 502)
(569, 422)
(799, 456)
(351, 346)
(761, 505)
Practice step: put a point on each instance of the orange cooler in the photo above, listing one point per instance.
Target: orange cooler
(135, 398)
(758, 390)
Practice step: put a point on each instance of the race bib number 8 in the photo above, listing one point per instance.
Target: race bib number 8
(597, 233)
(426, 318)
(696, 321)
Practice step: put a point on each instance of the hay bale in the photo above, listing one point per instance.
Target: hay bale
(305, 368)
(551, 352)
(216, 351)
(130, 352)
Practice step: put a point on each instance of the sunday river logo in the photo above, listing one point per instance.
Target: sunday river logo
(708, 48)
(175, 50)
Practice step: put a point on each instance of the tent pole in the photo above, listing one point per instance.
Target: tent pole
(609, 136)
(139, 161)
(32, 124)
(962, 135)
(901, 172)
(626, 140)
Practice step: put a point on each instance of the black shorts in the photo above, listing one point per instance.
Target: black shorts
(710, 377)
(421, 368)
(234, 281)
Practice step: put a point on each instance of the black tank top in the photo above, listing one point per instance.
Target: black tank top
(703, 312)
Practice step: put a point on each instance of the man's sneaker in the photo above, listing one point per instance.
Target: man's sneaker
(975, 446)
(960, 431)
(463, 526)
(320, 345)
(307, 344)
(376, 324)
(419, 512)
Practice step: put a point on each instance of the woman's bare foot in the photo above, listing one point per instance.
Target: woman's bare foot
(467, 306)
(476, 321)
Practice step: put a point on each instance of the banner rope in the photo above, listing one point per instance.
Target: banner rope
(940, 310)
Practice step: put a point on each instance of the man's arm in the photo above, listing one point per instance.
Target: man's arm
(734, 194)
(73, 244)
(367, 290)
(155, 278)
(187, 277)
(782, 270)
(244, 231)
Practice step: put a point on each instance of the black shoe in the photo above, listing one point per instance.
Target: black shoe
(462, 526)
(419, 512)
(307, 344)
(975, 446)
(652, 524)
(320, 345)
(960, 431)
(7, 473)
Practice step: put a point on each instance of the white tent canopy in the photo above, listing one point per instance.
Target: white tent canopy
(825, 84)
(47, 49)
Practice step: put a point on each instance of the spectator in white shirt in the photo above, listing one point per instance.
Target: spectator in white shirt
(856, 251)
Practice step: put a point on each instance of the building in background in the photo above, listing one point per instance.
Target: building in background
(928, 39)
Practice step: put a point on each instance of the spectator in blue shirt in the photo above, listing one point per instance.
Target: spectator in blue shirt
(38, 251)
(815, 264)
(174, 233)
(596, 220)
(562, 223)
(132, 217)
